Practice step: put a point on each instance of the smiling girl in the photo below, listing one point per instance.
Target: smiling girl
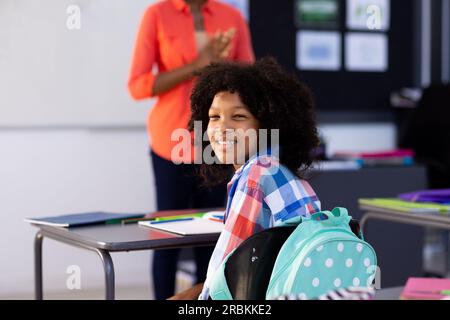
(235, 103)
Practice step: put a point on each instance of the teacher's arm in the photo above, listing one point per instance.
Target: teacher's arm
(143, 83)
(167, 80)
(212, 52)
(141, 78)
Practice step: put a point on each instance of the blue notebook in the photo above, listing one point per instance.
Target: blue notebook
(81, 219)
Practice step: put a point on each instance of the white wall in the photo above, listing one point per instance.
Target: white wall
(358, 137)
(71, 76)
(67, 171)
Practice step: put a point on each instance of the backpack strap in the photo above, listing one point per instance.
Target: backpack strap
(338, 216)
(218, 288)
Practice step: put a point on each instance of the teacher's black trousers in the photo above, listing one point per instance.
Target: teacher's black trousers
(179, 187)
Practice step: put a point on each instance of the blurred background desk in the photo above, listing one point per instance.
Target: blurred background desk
(344, 187)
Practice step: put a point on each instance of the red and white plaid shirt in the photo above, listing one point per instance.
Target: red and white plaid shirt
(262, 194)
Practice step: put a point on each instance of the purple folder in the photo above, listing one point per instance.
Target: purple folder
(435, 195)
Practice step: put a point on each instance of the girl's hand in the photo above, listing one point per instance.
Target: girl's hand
(189, 294)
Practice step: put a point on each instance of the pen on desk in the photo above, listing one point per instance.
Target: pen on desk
(127, 221)
(177, 217)
(172, 220)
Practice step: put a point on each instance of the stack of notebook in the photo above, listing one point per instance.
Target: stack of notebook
(83, 219)
(436, 201)
(426, 289)
(194, 224)
(402, 157)
(406, 206)
(433, 195)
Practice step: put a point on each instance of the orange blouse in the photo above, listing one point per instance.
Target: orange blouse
(166, 38)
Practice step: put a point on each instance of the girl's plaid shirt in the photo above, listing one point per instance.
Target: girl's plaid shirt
(262, 194)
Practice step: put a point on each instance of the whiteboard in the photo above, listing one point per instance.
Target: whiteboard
(51, 75)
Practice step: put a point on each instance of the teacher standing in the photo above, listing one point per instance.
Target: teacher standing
(179, 37)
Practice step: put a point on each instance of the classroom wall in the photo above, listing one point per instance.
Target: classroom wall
(358, 136)
(68, 171)
(64, 75)
(46, 172)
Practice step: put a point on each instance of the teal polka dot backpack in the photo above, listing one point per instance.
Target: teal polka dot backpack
(320, 255)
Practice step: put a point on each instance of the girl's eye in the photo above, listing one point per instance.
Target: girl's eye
(240, 116)
(214, 116)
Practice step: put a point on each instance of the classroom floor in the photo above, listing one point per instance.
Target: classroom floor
(184, 280)
(434, 262)
(137, 293)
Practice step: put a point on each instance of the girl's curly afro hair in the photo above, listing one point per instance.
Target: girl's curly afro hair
(276, 98)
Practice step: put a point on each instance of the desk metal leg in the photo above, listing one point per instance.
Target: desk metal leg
(38, 265)
(107, 262)
(363, 224)
(108, 267)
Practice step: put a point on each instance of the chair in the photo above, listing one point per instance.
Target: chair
(249, 268)
(428, 134)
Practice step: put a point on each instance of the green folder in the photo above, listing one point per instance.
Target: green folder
(405, 206)
(192, 215)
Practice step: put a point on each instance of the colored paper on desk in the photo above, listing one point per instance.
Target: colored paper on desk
(214, 215)
(436, 195)
(189, 215)
(81, 219)
(376, 155)
(425, 289)
(185, 227)
(405, 206)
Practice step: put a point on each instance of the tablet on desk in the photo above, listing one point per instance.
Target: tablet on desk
(188, 226)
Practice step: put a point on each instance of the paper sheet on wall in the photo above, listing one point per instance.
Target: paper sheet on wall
(316, 13)
(366, 52)
(368, 14)
(318, 50)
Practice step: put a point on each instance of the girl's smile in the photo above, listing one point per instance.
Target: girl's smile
(232, 129)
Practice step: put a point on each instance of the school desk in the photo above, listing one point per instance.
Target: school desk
(343, 188)
(103, 239)
(388, 293)
(438, 221)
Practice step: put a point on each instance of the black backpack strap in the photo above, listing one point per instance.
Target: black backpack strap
(249, 268)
